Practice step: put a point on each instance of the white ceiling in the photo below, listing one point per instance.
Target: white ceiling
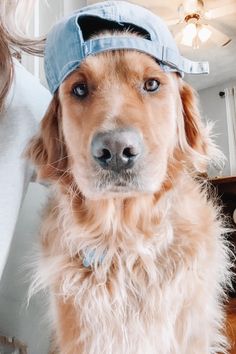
(222, 60)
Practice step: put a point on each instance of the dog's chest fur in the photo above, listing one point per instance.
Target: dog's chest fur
(150, 288)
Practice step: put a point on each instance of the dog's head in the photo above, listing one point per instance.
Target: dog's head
(119, 125)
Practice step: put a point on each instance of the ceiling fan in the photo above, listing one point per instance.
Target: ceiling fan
(192, 28)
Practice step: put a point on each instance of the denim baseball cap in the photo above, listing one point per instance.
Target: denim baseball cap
(71, 40)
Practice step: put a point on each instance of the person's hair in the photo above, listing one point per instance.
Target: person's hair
(14, 18)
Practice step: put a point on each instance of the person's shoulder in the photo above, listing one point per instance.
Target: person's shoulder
(28, 92)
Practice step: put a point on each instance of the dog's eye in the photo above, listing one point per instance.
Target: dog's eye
(80, 90)
(151, 85)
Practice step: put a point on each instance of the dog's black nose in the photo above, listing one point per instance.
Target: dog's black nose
(117, 149)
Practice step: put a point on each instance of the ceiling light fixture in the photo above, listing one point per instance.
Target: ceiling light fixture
(204, 34)
(193, 27)
(194, 34)
(188, 34)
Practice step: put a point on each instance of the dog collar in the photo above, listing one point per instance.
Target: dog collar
(89, 258)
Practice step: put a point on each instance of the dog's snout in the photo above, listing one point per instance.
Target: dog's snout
(117, 149)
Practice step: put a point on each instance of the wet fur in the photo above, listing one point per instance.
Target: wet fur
(160, 286)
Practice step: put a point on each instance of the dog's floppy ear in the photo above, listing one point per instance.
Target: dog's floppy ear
(47, 150)
(193, 136)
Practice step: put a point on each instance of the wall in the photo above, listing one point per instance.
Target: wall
(213, 109)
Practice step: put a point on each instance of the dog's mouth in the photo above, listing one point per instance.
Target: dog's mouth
(123, 182)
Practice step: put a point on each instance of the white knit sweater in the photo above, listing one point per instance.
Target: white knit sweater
(25, 106)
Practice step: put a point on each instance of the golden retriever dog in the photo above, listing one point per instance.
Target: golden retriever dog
(133, 250)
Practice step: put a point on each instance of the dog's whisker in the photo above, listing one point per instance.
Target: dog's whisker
(60, 159)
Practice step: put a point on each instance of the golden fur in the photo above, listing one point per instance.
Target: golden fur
(160, 286)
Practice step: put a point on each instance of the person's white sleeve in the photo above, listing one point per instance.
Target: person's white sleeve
(25, 106)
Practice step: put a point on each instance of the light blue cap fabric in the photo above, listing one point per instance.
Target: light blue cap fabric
(69, 42)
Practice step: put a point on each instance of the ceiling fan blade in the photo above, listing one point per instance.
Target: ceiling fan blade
(179, 39)
(219, 37)
(177, 28)
(172, 22)
(221, 11)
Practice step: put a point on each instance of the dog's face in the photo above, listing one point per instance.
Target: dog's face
(117, 125)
